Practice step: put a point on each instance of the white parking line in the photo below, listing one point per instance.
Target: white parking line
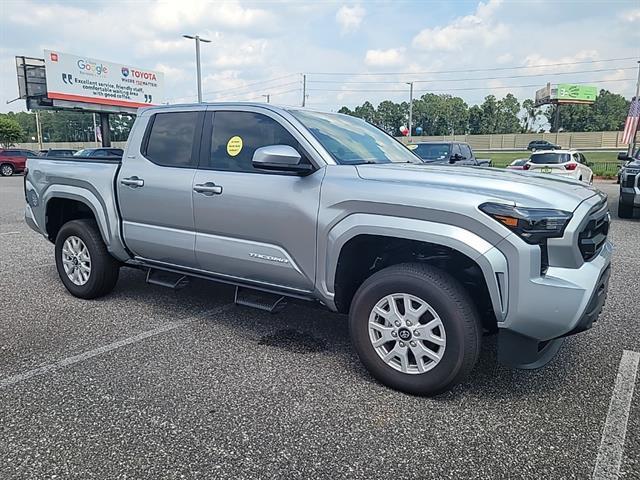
(9, 233)
(66, 362)
(615, 426)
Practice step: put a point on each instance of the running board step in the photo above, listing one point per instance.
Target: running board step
(163, 278)
(269, 302)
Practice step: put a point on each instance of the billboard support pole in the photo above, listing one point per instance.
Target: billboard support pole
(104, 129)
(557, 120)
(38, 130)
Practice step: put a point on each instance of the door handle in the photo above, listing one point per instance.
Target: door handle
(208, 189)
(133, 182)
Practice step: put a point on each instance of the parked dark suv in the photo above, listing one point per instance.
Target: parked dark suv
(542, 145)
(629, 176)
(458, 153)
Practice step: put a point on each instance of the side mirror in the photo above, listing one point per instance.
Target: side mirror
(622, 156)
(280, 158)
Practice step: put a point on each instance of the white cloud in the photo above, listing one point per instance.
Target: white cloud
(632, 15)
(384, 58)
(479, 29)
(251, 52)
(188, 13)
(350, 18)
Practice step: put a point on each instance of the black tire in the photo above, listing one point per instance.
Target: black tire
(452, 304)
(104, 268)
(625, 210)
(6, 170)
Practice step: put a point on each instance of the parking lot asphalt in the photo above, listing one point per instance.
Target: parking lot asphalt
(152, 383)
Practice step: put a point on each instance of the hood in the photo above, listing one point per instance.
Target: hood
(520, 188)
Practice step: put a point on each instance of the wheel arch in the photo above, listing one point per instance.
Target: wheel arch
(358, 240)
(63, 206)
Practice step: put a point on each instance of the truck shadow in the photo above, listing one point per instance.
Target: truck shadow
(302, 329)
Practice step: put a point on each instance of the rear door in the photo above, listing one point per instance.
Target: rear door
(257, 226)
(155, 184)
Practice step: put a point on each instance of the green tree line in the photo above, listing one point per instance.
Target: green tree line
(59, 126)
(443, 114)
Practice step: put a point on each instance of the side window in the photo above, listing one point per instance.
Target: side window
(577, 158)
(583, 159)
(456, 149)
(466, 151)
(237, 135)
(171, 139)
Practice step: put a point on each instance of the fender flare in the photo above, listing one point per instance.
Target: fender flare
(86, 197)
(491, 261)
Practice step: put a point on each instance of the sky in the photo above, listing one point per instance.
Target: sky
(349, 51)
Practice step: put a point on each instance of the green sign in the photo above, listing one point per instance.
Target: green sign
(579, 93)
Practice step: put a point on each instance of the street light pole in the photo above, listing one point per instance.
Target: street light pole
(198, 39)
(410, 106)
(267, 97)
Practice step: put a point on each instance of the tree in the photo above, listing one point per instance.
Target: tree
(475, 120)
(507, 120)
(391, 116)
(367, 112)
(530, 116)
(10, 131)
(608, 112)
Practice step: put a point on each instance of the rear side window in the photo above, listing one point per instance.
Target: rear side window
(550, 158)
(171, 139)
(237, 135)
(466, 150)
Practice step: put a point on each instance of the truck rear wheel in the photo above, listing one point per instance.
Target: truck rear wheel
(85, 266)
(625, 210)
(415, 328)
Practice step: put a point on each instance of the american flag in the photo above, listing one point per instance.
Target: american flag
(631, 125)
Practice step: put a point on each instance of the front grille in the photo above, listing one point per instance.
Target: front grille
(594, 234)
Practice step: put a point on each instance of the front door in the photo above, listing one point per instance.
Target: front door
(155, 186)
(253, 225)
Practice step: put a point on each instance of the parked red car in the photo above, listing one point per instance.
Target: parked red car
(13, 160)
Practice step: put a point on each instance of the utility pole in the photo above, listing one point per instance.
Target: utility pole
(95, 129)
(410, 107)
(632, 145)
(198, 39)
(267, 97)
(304, 90)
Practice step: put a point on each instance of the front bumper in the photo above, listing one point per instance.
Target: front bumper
(563, 302)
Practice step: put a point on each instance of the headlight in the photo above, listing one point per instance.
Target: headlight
(533, 225)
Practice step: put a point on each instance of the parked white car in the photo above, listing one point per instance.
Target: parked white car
(568, 163)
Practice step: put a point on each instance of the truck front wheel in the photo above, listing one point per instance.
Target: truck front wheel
(415, 328)
(85, 266)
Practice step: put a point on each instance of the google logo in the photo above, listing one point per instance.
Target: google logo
(93, 67)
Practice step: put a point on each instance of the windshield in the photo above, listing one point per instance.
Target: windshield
(352, 141)
(433, 151)
(519, 162)
(550, 158)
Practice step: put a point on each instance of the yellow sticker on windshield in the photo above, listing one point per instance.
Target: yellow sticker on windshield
(234, 146)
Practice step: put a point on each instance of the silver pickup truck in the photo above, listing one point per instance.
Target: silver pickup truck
(292, 203)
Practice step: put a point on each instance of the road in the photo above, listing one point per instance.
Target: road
(152, 383)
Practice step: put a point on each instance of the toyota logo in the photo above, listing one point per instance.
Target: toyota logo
(404, 334)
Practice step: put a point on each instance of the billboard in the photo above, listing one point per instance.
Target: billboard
(88, 80)
(568, 92)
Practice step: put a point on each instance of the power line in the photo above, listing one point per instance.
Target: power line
(457, 89)
(476, 69)
(240, 87)
(235, 95)
(470, 79)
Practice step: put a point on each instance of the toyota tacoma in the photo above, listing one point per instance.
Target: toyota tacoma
(289, 203)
